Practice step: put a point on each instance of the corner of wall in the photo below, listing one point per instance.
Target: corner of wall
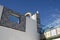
(1, 10)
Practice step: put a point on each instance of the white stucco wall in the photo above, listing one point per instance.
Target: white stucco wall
(30, 34)
(1, 10)
(31, 27)
(11, 34)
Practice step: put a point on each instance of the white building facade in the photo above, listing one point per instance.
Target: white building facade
(54, 30)
(28, 27)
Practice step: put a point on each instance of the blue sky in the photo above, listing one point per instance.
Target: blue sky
(49, 9)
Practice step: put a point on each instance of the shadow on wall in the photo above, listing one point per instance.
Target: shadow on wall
(42, 36)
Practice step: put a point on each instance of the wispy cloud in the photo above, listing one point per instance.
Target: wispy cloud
(52, 25)
(55, 14)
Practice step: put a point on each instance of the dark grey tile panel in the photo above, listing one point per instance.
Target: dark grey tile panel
(38, 22)
(7, 23)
